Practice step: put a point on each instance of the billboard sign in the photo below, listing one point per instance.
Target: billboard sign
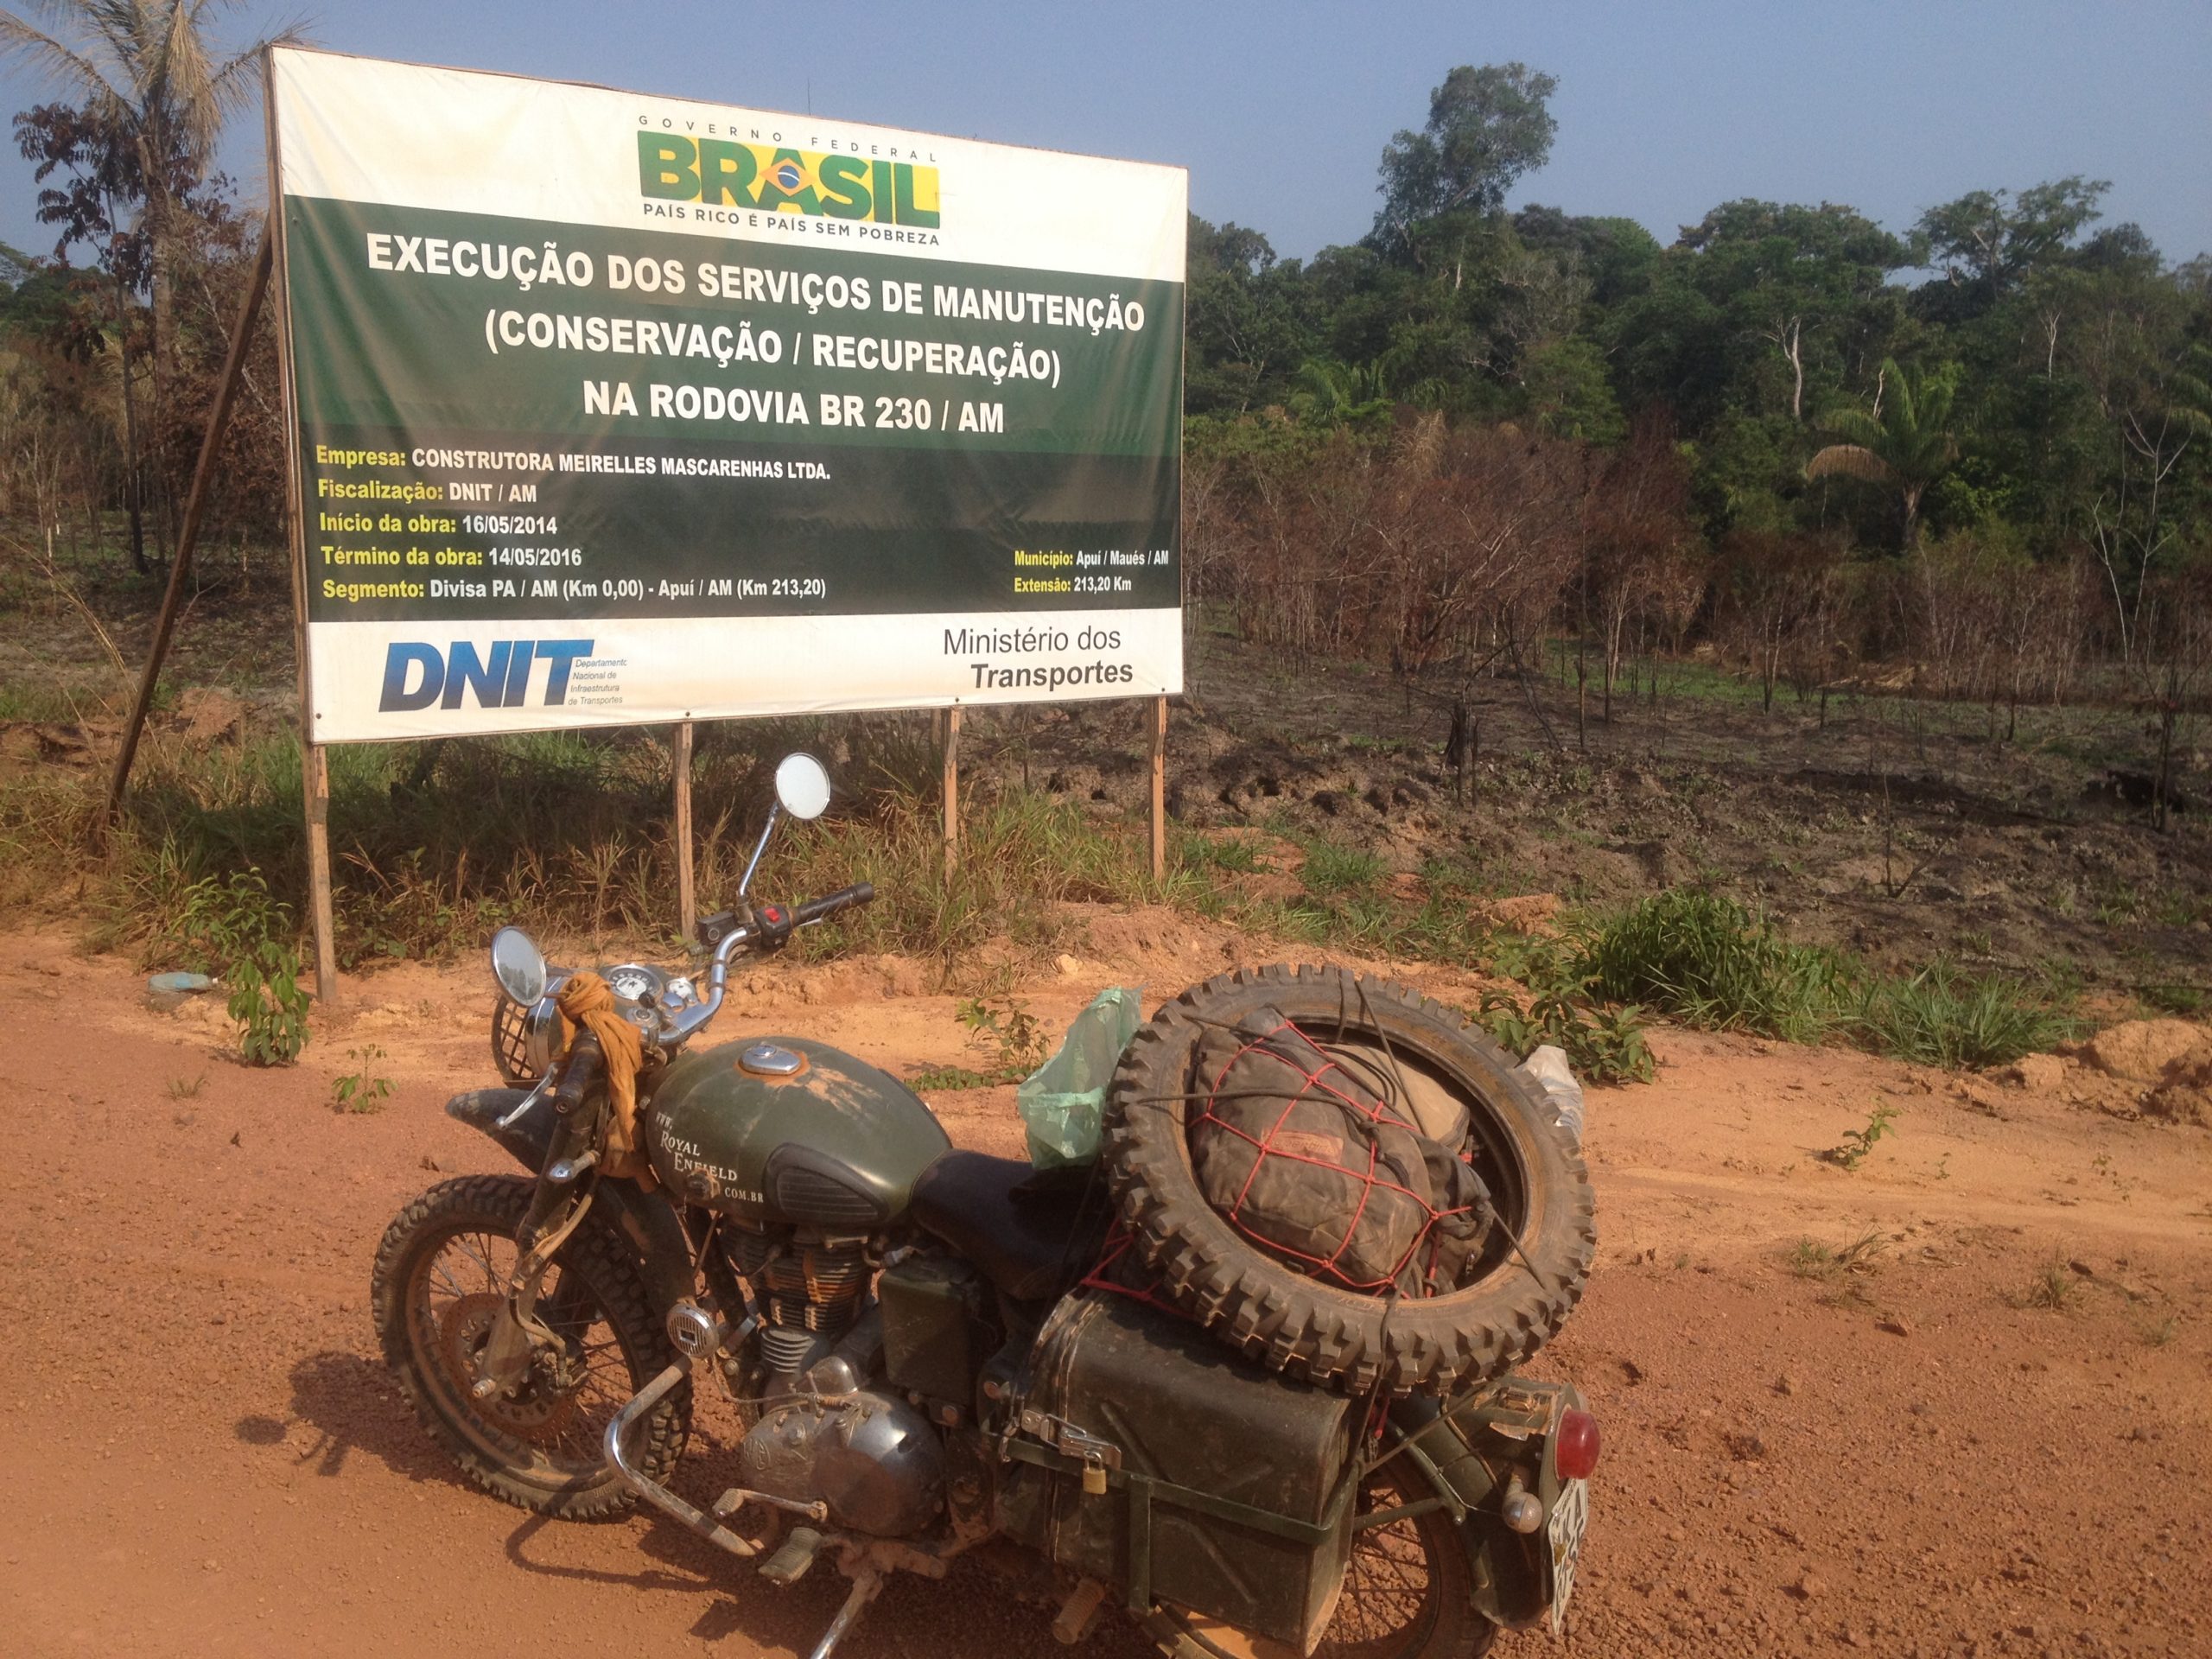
(613, 409)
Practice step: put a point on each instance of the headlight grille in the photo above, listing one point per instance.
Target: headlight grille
(510, 1043)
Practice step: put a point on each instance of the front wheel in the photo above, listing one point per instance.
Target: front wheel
(441, 1280)
(1408, 1592)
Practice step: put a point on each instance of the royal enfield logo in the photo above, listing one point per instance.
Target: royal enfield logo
(775, 178)
(501, 676)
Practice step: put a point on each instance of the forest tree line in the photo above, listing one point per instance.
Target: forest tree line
(1980, 443)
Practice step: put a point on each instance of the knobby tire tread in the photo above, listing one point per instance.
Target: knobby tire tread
(497, 1204)
(1291, 1324)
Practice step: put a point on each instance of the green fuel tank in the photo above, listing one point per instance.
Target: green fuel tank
(782, 1129)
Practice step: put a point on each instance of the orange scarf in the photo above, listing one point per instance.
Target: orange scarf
(587, 1001)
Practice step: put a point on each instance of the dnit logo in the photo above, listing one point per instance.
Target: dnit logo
(501, 677)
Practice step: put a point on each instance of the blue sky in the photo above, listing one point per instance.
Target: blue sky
(1280, 111)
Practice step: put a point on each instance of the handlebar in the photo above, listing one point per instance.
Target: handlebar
(860, 893)
(682, 1025)
(587, 1066)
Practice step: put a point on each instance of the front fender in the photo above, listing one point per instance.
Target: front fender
(525, 1141)
(647, 1222)
(1469, 1448)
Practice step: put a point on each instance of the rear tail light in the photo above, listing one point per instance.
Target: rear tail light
(1575, 1447)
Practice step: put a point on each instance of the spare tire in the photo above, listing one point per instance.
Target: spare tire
(1515, 1296)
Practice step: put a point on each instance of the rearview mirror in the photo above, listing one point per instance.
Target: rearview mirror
(518, 965)
(802, 786)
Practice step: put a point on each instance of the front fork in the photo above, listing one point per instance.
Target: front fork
(556, 1209)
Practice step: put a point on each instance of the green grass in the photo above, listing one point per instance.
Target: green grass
(1707, 962)
(2187, 1001)
(1703, 959)
(1810, 1259)
(2177, 908)
(1944, 1016)
(1342, 903)
(1694, 679)
(44, 704)
(2054, 1288)
(1023, 856)
(1235, 854)
(1332, 870)
(436, 844)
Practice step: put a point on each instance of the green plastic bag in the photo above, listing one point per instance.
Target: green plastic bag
(1062, 1100)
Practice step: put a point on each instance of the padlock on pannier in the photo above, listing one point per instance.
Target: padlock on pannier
(1148, 1456)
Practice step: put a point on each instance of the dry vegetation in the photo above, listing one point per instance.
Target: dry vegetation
(1945, 879)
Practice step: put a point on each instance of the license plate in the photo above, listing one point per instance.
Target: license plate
(1570, 1518)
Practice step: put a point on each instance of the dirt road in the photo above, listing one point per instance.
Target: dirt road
(1953, 1402)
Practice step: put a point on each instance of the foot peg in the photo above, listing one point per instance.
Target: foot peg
(1078, 1613)
(797, 1553)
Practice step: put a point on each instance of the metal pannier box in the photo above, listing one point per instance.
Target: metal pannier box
(1152, 1457)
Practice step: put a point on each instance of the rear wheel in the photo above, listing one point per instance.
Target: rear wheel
(440, 1283)
(1408, 1594)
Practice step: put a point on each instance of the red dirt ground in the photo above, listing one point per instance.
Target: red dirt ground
(1911, 1456)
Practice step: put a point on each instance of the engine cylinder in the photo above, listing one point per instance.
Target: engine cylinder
(810, 1290)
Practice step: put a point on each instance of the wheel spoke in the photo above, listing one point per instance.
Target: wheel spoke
(482, 1258)
(458, 1296)
(1385, 1610)
(439, 1270)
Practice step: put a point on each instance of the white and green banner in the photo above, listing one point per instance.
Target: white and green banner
(614, 409)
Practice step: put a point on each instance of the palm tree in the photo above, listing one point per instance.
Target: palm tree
(1907, 446)
(1332, 393)
(145, 71)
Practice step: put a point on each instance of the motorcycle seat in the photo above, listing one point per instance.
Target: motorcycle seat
(1029, 1231)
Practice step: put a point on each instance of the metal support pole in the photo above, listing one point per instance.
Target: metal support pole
(195, 500)
(687, 891)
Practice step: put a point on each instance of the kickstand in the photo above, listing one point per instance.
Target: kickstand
(865, 1583)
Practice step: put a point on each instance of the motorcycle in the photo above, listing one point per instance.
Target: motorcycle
(920, 1344)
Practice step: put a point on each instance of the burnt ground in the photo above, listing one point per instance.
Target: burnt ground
(1900, 827)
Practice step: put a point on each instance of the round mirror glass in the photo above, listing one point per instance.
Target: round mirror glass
(802, 786)
(518, 965)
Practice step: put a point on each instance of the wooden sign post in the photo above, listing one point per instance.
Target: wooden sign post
(687, 886)
(949, 739)
(1159, 723)
(187, 538)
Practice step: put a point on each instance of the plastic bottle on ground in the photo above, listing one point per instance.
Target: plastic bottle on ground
(1548, 1066)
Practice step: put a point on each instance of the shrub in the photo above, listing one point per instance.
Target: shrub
(271, 1008)
(1942, 1016)
(1706, 961)
(236, 930)
(1600, 1043)
(1603, 1044)
(361, 1090)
